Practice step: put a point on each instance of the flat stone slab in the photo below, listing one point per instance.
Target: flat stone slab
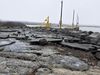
(3, 36)
(16, 67)
(40, 35)
(85, 47)
(22, 56)
(47, 39)
(5, 43)
(68, 62)
(17, 46)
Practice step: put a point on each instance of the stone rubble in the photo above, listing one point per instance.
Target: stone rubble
(21, 58)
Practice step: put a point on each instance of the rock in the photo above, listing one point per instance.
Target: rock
(4, 36)
(98, 63)
(94, 38)
(23, 56)
(47, 51)
(97, 55)
(17, 46)
(85, 47)
(22, 37)
(17, 67)
(44, 59)
(90, 32)
(43, 71)
(75, 64)
(1, 49)
(62, 71)
(5, 43)
(43, 42)
(68, 62)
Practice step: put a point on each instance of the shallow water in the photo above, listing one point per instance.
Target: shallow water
(94, 29)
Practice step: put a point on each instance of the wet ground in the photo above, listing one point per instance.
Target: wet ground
(18, 57)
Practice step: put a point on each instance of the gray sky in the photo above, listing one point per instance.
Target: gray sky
(37, 10)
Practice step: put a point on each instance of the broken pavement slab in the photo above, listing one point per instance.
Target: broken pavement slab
(22, 56)
(85, 47)
(37, 41)
(17, 46)
(16, 66)
(69, 62)
(5, 42)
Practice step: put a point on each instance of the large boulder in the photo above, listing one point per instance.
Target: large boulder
(68, 62)
(94, 38)
(43, 42)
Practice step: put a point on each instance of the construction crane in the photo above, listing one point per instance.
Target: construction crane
(47, 23)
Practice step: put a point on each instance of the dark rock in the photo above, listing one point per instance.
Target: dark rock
(94, 38)
(85, 47)
(97, 55)
(43, 42)
(1, 49)
(90, 32)
(83, 36)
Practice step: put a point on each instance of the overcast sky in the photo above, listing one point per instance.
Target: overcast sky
(37, 10)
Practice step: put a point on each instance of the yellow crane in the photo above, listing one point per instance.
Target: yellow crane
(47, 23)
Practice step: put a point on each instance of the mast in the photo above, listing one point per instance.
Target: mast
(60, 22)
(73, 18)
(77, 20)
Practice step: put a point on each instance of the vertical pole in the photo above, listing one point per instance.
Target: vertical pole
(60, 22)
(73, 18)
(77, 21)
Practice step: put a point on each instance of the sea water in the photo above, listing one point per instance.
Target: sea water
(94, 29)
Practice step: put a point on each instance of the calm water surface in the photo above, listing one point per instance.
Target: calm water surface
(94, 29)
